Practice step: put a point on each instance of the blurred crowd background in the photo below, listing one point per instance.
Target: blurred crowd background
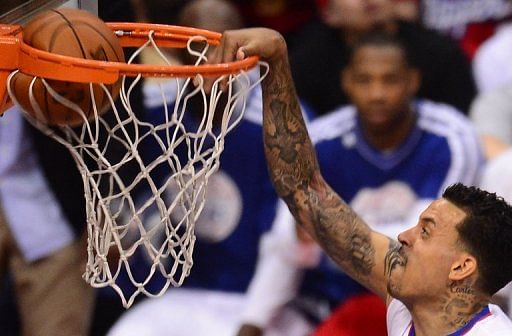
(402, 98)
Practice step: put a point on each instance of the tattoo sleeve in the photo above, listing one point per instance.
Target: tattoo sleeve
(296, 176)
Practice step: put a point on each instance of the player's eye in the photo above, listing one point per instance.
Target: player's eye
(424, 232)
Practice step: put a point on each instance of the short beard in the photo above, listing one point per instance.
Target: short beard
(393, 291)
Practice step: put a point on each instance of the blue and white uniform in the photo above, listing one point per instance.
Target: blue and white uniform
(389, 189)
(441, 149)
(489, 321)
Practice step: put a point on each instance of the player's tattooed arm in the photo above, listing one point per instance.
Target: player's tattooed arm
(296, 176)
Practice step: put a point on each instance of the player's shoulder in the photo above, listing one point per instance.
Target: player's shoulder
(495, 45)
(334, 124)
(495, 323)
(398, 318)
(442, 118)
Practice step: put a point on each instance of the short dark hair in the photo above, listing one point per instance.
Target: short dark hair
(486, 232)
(379, 38)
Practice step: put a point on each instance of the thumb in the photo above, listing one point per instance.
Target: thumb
(240, 54)
(247, 50)
(244, 52)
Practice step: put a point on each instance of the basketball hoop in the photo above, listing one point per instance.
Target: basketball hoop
(123, 215)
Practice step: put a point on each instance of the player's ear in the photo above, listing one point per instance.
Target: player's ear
(464, 267)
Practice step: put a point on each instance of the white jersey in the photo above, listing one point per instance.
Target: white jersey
(491, 65)
(490, 321)
(446, 15)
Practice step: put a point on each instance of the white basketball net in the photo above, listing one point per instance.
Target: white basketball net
(127, 216)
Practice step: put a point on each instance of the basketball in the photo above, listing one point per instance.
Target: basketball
(75, 33)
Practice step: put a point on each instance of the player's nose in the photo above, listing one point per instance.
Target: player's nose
(406, 237)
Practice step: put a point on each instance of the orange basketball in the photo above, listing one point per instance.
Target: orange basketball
(75, 33)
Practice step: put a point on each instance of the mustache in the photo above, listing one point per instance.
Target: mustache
(394, 257)
(402, 257)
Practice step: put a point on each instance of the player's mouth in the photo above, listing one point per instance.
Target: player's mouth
(399, 260)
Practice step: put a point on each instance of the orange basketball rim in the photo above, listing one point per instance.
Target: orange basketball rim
(17, 55)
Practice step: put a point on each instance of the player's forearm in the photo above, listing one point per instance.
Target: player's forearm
(290, 154)
(296, 176)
